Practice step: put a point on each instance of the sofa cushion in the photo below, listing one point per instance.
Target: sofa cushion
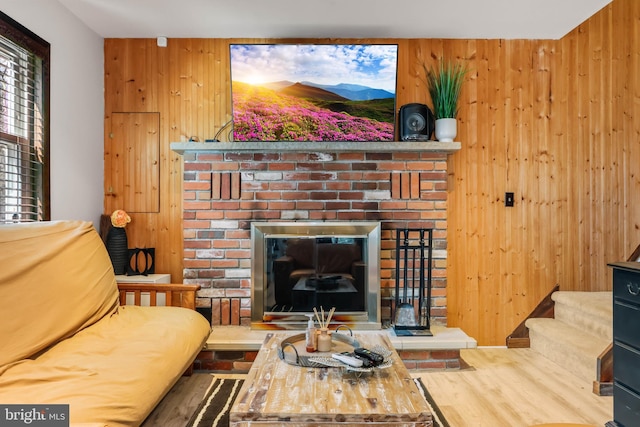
(115, 371)
(56, 278)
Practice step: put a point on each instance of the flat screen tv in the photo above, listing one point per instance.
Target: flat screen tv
(313, 92)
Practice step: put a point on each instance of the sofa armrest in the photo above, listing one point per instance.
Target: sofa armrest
(177, 295)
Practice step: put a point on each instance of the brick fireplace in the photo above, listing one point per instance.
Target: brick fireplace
(227, 186)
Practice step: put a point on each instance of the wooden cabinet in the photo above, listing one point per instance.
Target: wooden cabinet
(626, 344)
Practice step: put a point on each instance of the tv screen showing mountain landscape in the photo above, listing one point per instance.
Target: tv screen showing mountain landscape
(314, 92)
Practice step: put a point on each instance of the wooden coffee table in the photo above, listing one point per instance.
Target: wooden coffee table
(278, 393)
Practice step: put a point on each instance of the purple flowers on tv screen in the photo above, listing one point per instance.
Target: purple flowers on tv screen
(313, 92)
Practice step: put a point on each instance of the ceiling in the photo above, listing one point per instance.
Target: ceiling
(466, 19)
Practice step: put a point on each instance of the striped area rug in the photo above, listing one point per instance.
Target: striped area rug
(213, 411)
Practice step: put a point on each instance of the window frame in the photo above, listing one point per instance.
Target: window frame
(30, 41)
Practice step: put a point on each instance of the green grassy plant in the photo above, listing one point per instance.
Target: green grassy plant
(444, 83)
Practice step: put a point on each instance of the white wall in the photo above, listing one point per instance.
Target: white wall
(77, 106)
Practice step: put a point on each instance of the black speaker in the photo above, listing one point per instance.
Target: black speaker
(417, 122)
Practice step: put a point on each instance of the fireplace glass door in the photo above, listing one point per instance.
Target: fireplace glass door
(297, 269)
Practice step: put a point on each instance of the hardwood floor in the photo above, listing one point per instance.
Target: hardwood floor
(514, 388)
(503, 388)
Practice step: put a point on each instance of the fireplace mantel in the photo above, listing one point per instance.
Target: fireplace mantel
(312, 147)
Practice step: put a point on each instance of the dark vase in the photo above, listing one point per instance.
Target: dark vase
(118, 249)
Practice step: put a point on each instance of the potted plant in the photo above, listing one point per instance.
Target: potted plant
(444, 83)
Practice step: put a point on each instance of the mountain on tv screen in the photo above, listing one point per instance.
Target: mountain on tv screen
(313, 92)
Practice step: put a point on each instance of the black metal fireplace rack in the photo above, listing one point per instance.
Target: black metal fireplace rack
(414, 257)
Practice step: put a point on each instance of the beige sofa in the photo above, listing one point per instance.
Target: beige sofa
(66, 338)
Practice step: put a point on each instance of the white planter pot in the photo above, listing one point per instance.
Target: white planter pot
(446, 129)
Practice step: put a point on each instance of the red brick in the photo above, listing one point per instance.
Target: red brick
(414, 354)
(295, 195)
(200, 263)
(209, 215)
(338, 185)
(365, 206)
(294, 157)
(235, 311)
(281, 205)
(205, 355)
(379, 156)
(351, 216)
(310, 166)
(431, 364)
(230, 156)
(238, 253)
(335, 206)
(350, 176)
(406, 155)
(196, 166)
(323, 215)
(231, 214)
(350, 195)
(216, 365)
(237, 234)
(197, 205)
(337, 166)
(309, 205)
(282, 185)
(445, 354)
(364, 166)
(210, 157)
(197, 185)
(391, 166)
(433, 155)
(224, 263)
(393, 205)
(226, 166)
(376, 176)
(351, 156)
(265, 195)
(409, 364)
(421, 166)
(310, 186)
(196, 224)
(197, 244)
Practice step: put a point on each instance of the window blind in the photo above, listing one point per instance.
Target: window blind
(22, 134)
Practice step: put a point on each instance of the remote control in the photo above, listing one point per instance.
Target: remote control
(368, 354)
(347, 359)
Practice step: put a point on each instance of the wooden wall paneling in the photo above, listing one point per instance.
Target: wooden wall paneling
(569, 113)
(579, 127)
(464, 305)
(631, 221)
(552, 121)
(600, 125)
(168, 225)
(519, 166)
(622, 122)
(626, 91)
